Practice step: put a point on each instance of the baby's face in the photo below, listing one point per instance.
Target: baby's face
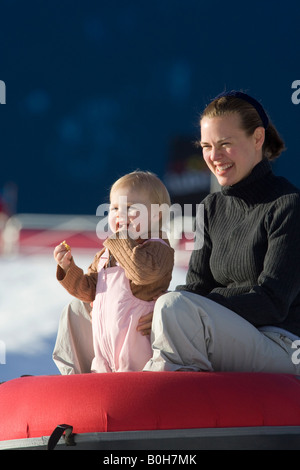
(130, 210)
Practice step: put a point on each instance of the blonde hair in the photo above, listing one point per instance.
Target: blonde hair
(145, 181)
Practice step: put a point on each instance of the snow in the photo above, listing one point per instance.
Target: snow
(31, 301)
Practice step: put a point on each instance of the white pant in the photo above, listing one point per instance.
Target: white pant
(73, 352)
(191, 332)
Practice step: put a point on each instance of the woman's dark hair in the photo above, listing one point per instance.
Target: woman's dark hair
(250, 120)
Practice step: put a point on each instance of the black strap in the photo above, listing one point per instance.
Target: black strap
(58, 432)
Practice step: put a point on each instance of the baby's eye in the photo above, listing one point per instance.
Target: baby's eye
(133, 210)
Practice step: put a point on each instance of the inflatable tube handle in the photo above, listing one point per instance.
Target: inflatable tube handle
(58, 432)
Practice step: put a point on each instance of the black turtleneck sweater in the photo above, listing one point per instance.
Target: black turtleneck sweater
(250, 259)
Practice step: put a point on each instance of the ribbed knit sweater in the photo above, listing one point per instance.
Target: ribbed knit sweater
(250, 260)
(148, 267)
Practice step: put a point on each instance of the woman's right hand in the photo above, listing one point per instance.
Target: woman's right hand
(144, 324)
(62, 256)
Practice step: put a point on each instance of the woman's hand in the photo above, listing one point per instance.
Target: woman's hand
(62, 256)
(144, 325)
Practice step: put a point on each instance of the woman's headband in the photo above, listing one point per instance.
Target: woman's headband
(243, 96)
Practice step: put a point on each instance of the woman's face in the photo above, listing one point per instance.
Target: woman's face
(228, 151)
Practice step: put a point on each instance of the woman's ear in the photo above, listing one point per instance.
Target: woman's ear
(259, 137)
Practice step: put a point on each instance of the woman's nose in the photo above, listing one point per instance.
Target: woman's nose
(214, 154)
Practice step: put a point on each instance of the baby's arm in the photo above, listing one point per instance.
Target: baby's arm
(143, 263)
(62, 255)
(72, 278)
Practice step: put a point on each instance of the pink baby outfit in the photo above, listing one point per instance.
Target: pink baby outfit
(118, 346)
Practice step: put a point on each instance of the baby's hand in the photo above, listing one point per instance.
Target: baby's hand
(62, 255)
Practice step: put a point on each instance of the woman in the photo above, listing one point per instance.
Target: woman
(240, 307)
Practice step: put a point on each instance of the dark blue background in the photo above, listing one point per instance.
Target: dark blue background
(99, 88)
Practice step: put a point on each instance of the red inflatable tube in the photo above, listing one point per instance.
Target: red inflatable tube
(34, 406)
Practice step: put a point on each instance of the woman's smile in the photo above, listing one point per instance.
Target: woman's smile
(223, 169)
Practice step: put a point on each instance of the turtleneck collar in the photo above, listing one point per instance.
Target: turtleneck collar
(251, 187)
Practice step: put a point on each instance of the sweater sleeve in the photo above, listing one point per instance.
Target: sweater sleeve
(268, 302)
(199, 279)
(144, 263)
(78, 284)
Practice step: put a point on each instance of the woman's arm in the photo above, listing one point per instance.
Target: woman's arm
(199, 279)
(269, 301)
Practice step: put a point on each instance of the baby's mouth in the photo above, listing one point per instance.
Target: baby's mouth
(121, 226)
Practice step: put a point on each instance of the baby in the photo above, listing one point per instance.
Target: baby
(127, 276)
